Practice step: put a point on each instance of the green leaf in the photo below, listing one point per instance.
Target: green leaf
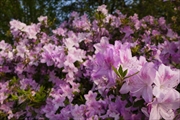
(3, 115)
(120, 70)
(81, 98)
(40, 96)
(115, 70)
(13, 81)
(125, 73)
(66, 101)
(138, 103)
(22, 105)
(110, 118)
(129, 104)
(121, 118)
(124, 97)
(75, 93)
(14, 97)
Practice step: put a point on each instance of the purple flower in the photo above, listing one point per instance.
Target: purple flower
(164, 105)
(71, 41)
(21, 50)
(102, 9)
(32, 31)
(127, 30)
(59, 31)
(47, 54)
(171, 34)
(28, 82)
(166, 79)
(142, 83)
(3, 92)
(103, 66)
(43, 19)
(161, 21)
(53, 55)
(137, 22)
(93, 107)
(17, 25)
(78, 112)
(81, 23)
(102, 46)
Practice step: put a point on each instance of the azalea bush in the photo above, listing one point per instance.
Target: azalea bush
(112, 67)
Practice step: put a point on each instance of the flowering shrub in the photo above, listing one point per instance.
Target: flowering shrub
(114, 67)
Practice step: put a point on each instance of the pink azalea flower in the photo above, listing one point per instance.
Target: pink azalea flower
(102, 9)
(32, 31)
(94, 107)
(171, 34)
(165, 80)
(76, 54)
(17, 25)
(43, 19)
(164, 106)
(53, 55)
(126, 59)
(102, 46)
(142, 83)
(4, 45)
(78, 112)
(21, 50)
(127, 30)
(71, 41)
(161, 21)
(3, 92)
(103, 66)
(59, 31)
(47, 54)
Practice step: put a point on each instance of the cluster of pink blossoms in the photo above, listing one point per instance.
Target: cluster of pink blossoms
(113, 67)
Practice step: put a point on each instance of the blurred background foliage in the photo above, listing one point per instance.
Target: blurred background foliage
(28, 11)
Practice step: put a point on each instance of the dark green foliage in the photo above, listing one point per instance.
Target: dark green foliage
(84, 88)
(28, 11)
(139, 103)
